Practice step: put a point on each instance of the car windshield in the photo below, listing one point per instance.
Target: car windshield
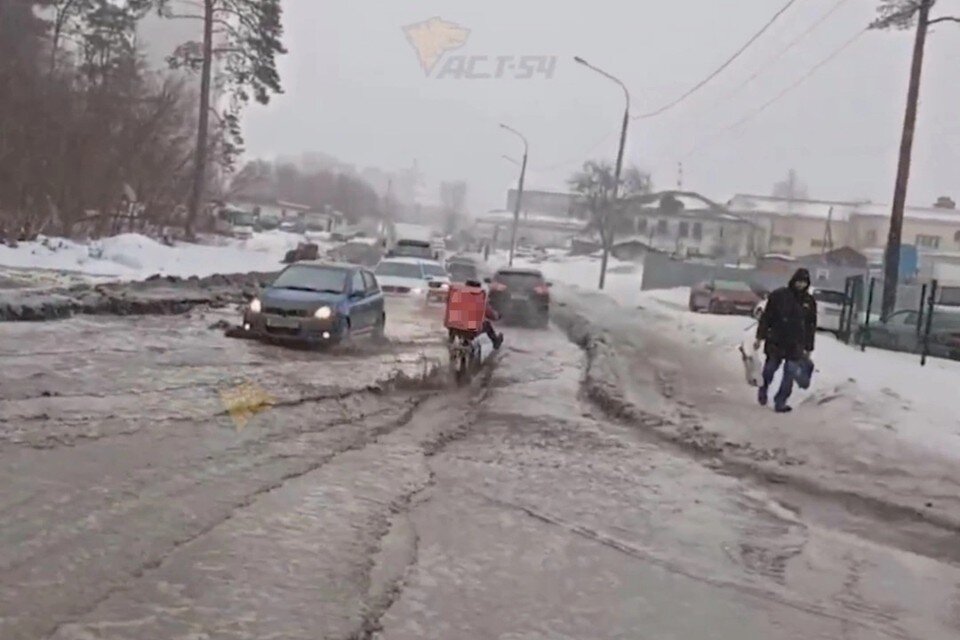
(462, 272)
(434, 270)
(412, 251)
(829, 297)
(519, 280)
(304, 278)
(732, 285)
(400, 270)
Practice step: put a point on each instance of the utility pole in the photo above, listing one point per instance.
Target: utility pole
(679, 176)
(518, 203)
(891, 270)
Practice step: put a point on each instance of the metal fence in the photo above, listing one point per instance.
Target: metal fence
(909, 328)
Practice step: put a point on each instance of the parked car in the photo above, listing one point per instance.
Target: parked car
(413, 277)
(521, 295)
(462, 269)
(900, 333)
(267, 222)
(829, 309)
(723, 296)
(293, 226)
(318, 303)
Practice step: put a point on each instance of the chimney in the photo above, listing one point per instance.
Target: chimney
(945, 202)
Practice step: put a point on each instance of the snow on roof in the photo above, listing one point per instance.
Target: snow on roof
(821, 209)
(842, 211)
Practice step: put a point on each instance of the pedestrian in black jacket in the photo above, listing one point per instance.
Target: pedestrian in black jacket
(788, 328)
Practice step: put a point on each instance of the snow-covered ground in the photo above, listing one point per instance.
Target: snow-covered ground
(874, 423)
(895, 393)
(133, 256)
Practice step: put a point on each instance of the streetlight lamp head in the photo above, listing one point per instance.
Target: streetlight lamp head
(579, 59)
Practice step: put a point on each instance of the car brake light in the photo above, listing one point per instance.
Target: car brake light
(497, 286)
(541, 290)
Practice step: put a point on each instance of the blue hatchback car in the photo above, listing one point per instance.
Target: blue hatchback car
(318, 303)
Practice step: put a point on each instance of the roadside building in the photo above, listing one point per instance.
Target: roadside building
(687, 224)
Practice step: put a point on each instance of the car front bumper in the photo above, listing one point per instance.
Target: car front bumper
(302, 330)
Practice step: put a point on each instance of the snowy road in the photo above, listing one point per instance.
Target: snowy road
(140, 502)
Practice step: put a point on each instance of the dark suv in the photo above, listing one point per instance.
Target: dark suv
(521, 295)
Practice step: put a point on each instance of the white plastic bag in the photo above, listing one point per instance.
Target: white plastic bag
(752, 362)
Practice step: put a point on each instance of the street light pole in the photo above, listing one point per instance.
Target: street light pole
(517, 204)
(607, 228)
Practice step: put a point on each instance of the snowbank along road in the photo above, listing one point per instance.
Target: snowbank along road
(162, 481)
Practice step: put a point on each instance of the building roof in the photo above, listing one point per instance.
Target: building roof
(841, 211)
(694, 206)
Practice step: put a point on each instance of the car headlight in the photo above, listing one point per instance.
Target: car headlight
(256, 306)
(323, 313)
(416, 292)
(444, 286)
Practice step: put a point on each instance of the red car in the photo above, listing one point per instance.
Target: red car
(723, 296)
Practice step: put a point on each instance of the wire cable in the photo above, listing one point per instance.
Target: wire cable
(816, 25)
(722, 67)
(785, 92)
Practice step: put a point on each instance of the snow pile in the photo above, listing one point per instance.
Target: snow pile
(891, 390)
(132, 256)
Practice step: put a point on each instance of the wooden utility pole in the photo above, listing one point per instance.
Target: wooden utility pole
(203, 126)
(891, 271)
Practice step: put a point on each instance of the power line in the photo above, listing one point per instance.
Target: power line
(846, 45)
(816, 25)
(753, 114)
(722, 67)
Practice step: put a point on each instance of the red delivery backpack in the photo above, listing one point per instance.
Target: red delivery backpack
(466, 308)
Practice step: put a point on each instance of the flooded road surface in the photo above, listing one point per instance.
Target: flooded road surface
(162, 482)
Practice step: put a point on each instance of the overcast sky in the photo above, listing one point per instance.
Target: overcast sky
(354, 89)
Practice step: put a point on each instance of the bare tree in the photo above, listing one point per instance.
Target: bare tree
(594, 186)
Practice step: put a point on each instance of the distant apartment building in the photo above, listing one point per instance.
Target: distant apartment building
(801, 227)
(687, 224)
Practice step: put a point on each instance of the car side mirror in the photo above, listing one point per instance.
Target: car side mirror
(549, 285)
(486, 280)
(356, 295)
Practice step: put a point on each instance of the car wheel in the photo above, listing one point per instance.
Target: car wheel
(346, 333)
(713, 307)
(380, 328)
(693, 305)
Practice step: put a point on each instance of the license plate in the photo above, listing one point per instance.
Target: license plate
(283, 323)
(519, 297)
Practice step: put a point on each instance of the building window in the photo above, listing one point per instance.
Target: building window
(872, 238)
(817, 244)
(786, 241)
(684, 229)
(928, 242)
(698, 231)
(662, 227)
(956, 236)
(641, 225)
